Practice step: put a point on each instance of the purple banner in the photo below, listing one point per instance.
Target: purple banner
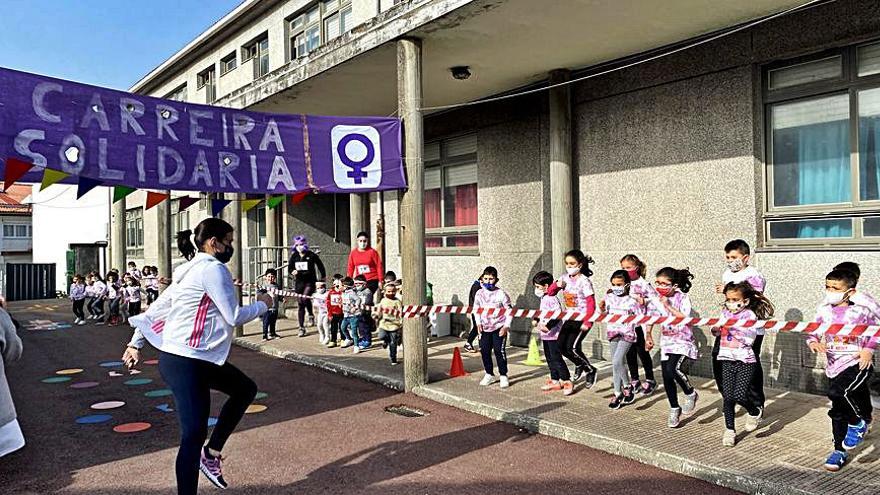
(137, 141)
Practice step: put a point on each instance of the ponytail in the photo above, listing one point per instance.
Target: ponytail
(185, 245)
(583, 260)
(206, 229)
(758, 302)
(680, 278)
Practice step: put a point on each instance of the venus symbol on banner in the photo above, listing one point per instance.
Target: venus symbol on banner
(356, 156)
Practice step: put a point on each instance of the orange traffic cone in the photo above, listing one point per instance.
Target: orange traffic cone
(457, 368)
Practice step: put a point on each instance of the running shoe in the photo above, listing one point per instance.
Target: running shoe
(649, 387)
(469, 348)
(628, 396)
(690, 404)
(346, 343)
(302, 332)
(551, 385)
(212, 469)
(567, 388)
(487, 380)
(591, 377)
(579, 372)
(504, 381)
(674, 417)
(635, 385)
(729, 438)
(331, 344)
(753, 422)
(616, 402)
(836, 461)
(855, 434)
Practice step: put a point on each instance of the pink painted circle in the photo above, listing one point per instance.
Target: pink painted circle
(131, 427)
(151, 361)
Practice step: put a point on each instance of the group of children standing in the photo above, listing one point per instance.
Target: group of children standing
(736, 352)
(121, 295)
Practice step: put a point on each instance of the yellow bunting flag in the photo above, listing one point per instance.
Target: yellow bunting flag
(52, 177)
(247, 204)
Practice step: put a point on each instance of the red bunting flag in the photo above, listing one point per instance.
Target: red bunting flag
(15, 169)
(154, 198)
(300, 196)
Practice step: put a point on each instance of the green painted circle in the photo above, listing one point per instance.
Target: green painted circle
(162, 392)
(56, 379)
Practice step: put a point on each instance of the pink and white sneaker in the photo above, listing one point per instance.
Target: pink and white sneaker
(212, 470)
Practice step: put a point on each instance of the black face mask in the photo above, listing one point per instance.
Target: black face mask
(226, 255)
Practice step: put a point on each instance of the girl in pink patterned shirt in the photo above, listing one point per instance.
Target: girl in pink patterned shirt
(621, 336)
(677, 346)
(736, 355)
(642, 291)
(578, 295)
(548, 329)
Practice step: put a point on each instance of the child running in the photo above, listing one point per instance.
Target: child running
(677, 346)
(577, 291)
(642, 291)
(621, 336)
(860, 297)
(362, 336)
(493, 329)
(351, 314)
(548, 330)
(78, 296)
(133, 271)
(151, 284)
(132, 295)
(849, 366)
(99, 289)
(390, 320)
(319, 308)
(90, 294)
(114, 298)
(737, 355)
(334, 309)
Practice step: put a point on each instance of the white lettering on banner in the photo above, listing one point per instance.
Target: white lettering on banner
(103, 171)
(225, 130)
(241, 125)
(301, 266)
(142, 174)
(228, 162)
(95, 111)
(129, 111)
(280, 173)
(23, 142)
(179, 170)
(254, 179)
(272, 135)
(165, 116)
(195, 128)
(38, 100)
(201, 171)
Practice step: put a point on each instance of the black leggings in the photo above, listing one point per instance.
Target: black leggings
(78, 309)
(191, 380)
(675, 372)
(134, 308)
(636, 353)
(304, 304)
(737, 378)
(472, 335)
(570, 339)
(558, 368)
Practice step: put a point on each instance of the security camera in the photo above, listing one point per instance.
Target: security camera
(461, 72)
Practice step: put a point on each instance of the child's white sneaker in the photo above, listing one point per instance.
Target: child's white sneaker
(729, 438)
(357, 349)
(487, 380)
(76, 321)
(504, 381)
(753, 422)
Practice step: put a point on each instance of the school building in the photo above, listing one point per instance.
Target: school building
(700, 122)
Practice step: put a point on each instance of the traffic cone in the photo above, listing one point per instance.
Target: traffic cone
(457, 368)
(534, 357)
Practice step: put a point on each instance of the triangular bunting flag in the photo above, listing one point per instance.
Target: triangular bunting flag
(248, 204)
(86, 185)
(15, 169)
(217, 206)
(185, 202)
(120, 192)
(52, 177)
(298, 197)
(274, 201)
(154, 198)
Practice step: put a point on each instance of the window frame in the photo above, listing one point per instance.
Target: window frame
(135, 216)
(179, 93)
(857, 209)
(442, 163)
(253, 51)
(324, 12)
(224, 63)
(28, 229)
(207, 79)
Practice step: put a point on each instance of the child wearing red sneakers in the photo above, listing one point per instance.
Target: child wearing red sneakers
(548, 330)
(334, 308)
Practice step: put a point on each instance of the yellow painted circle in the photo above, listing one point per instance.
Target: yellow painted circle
(69, 371)
(255, 408)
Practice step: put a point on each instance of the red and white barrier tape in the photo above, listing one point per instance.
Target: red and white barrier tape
(811, 327)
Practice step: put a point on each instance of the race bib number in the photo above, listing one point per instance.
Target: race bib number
(301, 266)
(336, 300)
(363, 269)
(570, 299)
(844, 345)
(729, 342)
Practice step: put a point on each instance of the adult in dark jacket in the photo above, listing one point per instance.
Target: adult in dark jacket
(302, 265)
(469, 346)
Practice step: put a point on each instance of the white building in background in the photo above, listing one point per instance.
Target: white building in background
(62, 223)
(16, 241)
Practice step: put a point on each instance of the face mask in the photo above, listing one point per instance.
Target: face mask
(337, 286)
(633, 274)
(573, 270)
(300, 248)
(618, 290)
(322, 290)
(488, 286)
(834, 298)
(736, 265)
(359, 286)
(362, 244)
(226, 255)
(735, 306)
(539, 293)
(665, 291)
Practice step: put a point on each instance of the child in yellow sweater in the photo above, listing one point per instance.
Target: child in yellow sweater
(387, 311)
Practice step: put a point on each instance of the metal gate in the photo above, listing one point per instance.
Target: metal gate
(27, 281)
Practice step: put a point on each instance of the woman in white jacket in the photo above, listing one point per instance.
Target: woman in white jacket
(191, 324)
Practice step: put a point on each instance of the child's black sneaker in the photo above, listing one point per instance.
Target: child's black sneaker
(628, 396)
(616, 402)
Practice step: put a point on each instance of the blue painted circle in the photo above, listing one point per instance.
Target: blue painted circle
(111, 364)
(93, 419)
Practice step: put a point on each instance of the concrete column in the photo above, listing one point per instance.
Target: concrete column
(272, 235)
(561, 172)
(117, 235)
(165, 237)
(412, 210)
(358, 205)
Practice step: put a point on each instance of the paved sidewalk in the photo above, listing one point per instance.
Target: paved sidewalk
(784, 456)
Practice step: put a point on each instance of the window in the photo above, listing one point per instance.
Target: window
(823, 149)
(451, 195)
(179, 219)
(17, 231)
(204, 201)
(178, 94)
(206, 79)
(258, 51)
(321, 23)
(228, 63)
(134, 233)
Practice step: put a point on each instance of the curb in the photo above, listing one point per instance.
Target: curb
(322, 364)
(668, 462)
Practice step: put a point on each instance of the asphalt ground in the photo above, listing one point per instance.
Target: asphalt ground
(320, 433)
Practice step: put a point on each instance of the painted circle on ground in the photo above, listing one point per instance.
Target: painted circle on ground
(162, 392)
(255, 408)
(84, 385)
(131, 427)
(56, 379)
(212, 421)
(110, 404)
(261, 395)
(93, 419)
(151, 361)
(111, 364)
(138, 381)
(69, 371)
